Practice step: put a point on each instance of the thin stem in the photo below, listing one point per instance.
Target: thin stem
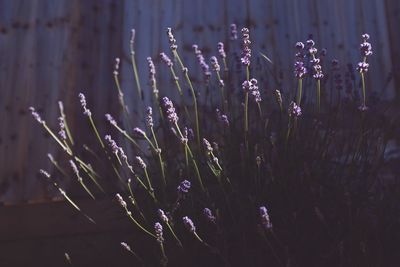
(138, 224)
(174, 235)
(158, 151)
(299, 92)
(178, 86)
(363, 89)
(96, 132)
(319, 95)
(86, 189)
(224, 104)
(193, 96)
(135, 72)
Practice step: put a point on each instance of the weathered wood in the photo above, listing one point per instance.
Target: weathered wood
(52, 50)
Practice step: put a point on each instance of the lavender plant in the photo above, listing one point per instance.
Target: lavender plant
(315, 164)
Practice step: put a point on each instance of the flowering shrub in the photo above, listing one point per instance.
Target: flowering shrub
(279, 179)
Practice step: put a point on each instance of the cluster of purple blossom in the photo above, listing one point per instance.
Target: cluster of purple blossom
(170, 110)
(166, 59)
(149, 117)
(221, 50)
(366, 50)
(214, 64)
(209, 216)
(294, 110)
(222, 118)
(115, 148)
(299, 69)
(36, 115)
(171, 40)
(246, 51)
(183, 187)
(189, 224)
(315, 61)
(158, 229)
(152, 75)
(265, 220)
(82, 99)
(251, 87)
(62, 132)
(200, 58)
(141, 162)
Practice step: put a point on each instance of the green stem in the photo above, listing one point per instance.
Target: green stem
(299, 92)
(178, 86)
(363, 89)
(135, 72)
(96, 132)
(86, 189)
(224, 104)
(138, 224)
(319, 95)
(159, 155)
(193, 96)
(174, 235)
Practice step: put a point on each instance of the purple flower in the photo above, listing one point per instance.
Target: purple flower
(365, 47)
(110, 119)
(113, 145)
(170, 110)
(366, 50)
(149, 117)
(166, 59)
(265, 218)
(62, 132)
(246, 51)
(184, 187)
(162, 215)
(299, 69)
(200, 58)
(116, 66)
(222, 118)
(221, 50)
(299, 45)
(171, 40)
(209, 216)
(36, 115)
(207, 146)
(252, 88)
(152, 75)
(82, 99)
(121, 201)
(362, 67)
(139, 132)
(189, 224)
(214, 64)
(294, 110)
(233, 32)
(141, 162)
(158, 229)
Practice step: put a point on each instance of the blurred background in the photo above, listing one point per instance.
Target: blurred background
(51, 50)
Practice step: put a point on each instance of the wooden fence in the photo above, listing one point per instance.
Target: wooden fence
(51, 50)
